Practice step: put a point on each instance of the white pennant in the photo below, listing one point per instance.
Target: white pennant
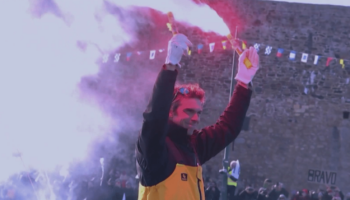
(305, 90)
(257, 47)
(268, 50)
(292, 55)
(116, 57)
(211, 47)
(304, 57)
(152, 55)
(316, 59)
(347, 80)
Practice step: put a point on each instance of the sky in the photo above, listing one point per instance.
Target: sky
(333, 2)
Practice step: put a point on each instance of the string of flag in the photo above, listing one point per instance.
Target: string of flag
(305, 57)
(293, 54)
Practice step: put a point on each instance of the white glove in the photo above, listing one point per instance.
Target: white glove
(244, 74)
(176, 47)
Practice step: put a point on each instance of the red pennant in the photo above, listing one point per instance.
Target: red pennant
(329, 59)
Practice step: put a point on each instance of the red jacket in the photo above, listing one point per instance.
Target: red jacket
(168, 160)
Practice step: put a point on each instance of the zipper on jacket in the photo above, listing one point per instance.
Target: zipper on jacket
(199, 189)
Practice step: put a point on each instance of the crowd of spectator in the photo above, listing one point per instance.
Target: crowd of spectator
(277, 192)
(120, 185)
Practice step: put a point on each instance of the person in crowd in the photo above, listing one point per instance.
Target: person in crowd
(232, 179)
(265, 189)
(305, 195)
(212, 192)
(170, 151)
(277, 190)
(333, 192)
(267, 185)
(248, 194)
(317, 195)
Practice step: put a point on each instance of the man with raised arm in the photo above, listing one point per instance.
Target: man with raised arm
(170, 150)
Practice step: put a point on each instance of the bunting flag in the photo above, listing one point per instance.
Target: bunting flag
(200, 47)
(116, 57)
(292, 55)
(211, 47)
(268, 50)
(244, 45)
(105, 58)
(304, 57)
(316, 59)
(124, 198)
(224, 44)
(257, 47)
(341, 61)
(305, 90)
(152, 54)
(329, 59)
(279, 52)
(128, 55)
(347, 80)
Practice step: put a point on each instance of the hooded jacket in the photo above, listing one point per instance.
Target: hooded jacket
(168, 159)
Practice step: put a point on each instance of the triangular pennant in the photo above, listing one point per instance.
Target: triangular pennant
(224, 44)
(189, 51)
(316, 59)
(292, 55)
(169, 26)
(200, 47)
(347, 80)
(268, 50)
(211, 47)
(244, 45)
(304, 57)
(305, 90)
(139, 52)
(105, 58)
(124, 198)
(128, 55)
(279, 52)
(329, 59)
(116, 57)
(341, 61)
(161, 50)
(257, 47)
(152, 54)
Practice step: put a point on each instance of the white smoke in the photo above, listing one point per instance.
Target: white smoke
(46, 47)
(41, 114)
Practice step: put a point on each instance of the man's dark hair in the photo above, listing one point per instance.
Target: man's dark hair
(187, 91)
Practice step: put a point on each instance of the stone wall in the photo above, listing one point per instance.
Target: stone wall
(290, 131)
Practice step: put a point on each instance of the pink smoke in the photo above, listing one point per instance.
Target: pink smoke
(46, 48)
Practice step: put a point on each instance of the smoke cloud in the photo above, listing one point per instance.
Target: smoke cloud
(59, 104)
(42, 113)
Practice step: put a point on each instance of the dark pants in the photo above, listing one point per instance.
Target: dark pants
(231, 192)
